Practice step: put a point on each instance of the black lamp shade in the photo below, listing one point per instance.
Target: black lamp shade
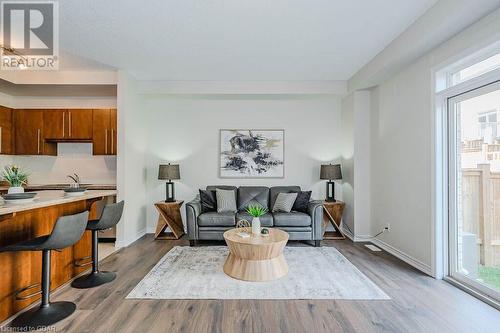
(169, 171)
(330, 171)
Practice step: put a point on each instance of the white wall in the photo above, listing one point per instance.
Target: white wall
(402, 144)
(356, 163)
(362, 163)
(185, 130)
(347, 129)
(71, 158)
(57, 102)
(131, 160)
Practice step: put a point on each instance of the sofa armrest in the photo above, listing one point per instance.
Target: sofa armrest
(315, 210)
(193, 210)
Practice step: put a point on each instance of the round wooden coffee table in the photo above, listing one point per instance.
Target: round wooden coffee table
(256, 258)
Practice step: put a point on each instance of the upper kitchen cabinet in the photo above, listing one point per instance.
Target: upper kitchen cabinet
(5, 130)
(55, 124)
(104, 132)
(68, 125)
(80, 124)
(29, 134)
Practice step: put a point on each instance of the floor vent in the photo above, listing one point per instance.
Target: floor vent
(373, 248)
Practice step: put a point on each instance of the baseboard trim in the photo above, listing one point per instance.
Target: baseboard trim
(348, 234)
(403, 256)
(392, 250)
(360, 238)
(134, 238)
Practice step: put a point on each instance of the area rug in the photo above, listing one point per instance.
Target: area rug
(313, 273)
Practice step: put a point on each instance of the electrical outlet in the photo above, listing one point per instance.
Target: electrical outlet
(387, 228)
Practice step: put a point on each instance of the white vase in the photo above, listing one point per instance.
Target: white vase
(256, 226)
(15, 189)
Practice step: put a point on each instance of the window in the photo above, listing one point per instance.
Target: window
(475, 70)
(468, 68)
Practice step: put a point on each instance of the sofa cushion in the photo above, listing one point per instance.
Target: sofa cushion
(274, 191)
(266, 220)
(301, 204)
(284, 202)
(253, 196)
(214, 219)
(208, 201)
(226, 202)
(292, 219)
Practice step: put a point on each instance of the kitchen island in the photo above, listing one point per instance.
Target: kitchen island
(20, 222)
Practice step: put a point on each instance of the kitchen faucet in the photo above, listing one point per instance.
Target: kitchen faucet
(75, 178)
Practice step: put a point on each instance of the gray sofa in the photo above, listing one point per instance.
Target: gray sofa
(212, 225)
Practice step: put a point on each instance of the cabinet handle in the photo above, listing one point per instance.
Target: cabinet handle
(106, 141)
(0, 139)
(69, 123)
(38, 142)
(112, 140)
(64, 123)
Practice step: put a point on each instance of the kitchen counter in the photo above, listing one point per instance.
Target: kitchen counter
(51, 198)
(40, 187)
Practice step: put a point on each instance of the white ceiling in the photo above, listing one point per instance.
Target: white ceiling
(235, 40)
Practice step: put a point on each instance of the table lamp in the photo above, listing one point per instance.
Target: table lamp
(169, 172)
(330, 172)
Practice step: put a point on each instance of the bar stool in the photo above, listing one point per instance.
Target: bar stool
(67, 231)
(111, 215)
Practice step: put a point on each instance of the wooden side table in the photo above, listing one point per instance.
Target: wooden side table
(333, 214)
(170, 216)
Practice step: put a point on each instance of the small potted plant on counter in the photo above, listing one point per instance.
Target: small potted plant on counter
(256, 212)
(16, 178)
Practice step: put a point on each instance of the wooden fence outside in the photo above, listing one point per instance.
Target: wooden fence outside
(480, 202)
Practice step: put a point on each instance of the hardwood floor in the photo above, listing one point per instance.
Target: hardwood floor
(418, 302)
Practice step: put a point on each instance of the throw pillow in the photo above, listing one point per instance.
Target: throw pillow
(208, 201)
(301, 204)
(284, 202)
(226, 201)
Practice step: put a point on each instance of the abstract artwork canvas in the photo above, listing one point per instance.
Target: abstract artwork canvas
(252, 153)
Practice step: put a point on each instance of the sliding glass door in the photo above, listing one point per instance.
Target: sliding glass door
(474, 189)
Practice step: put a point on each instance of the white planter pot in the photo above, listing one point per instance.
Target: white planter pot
(15, 189)
(256, 226)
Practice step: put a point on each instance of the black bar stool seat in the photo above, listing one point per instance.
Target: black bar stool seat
(67, 231)
(111, 215)
(35, 244)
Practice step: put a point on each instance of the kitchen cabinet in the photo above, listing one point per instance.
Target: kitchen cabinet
(37, 132)
(104, 126)
(55, 124)
(29, 134)
(5, 130)
(68, 125)
(80, 124)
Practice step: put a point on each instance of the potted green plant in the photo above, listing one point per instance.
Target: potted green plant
(15, 177)
(256, 212)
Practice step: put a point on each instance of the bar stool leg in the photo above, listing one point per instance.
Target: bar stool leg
(48, 313)
(96, 277)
